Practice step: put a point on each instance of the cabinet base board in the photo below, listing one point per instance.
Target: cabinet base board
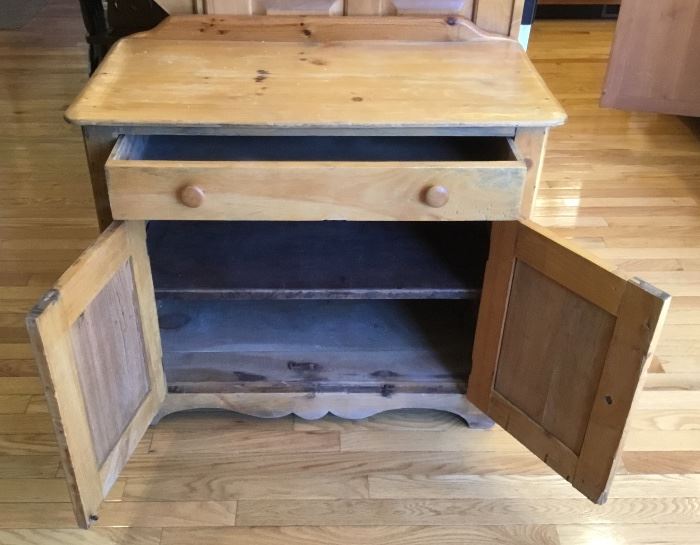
(352, 406)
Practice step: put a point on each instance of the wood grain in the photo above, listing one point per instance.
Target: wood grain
(201, 487)
(97, 536)
(561, 382)
(321, 29)
(464, 512)
(370, 535)
(112, 393)
(316, 94)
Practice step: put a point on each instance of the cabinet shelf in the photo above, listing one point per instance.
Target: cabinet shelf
(318, 260)
(385, 347)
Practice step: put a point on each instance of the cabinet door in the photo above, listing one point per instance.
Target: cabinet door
(654, 59)
(561, 346)
(96, 341)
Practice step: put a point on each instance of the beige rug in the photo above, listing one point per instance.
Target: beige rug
(15, 14)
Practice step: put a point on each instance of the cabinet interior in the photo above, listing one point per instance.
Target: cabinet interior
(317, 306)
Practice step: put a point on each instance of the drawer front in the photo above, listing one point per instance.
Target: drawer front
(315, 190)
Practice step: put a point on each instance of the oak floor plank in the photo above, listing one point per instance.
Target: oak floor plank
(628, 534)
(447, 512)
(205, 486)
(342, 464)
(20, 385)
(13, 404)
(661, 462)
(96, 536)
(672, 382)
(33, 490)
(27, 444)
(168, 514)
(655, 440)
(37, 515)
(665, 419)
(25, 423)
(37, 405)
(366, 535)
(250, 440)
(525, 487)
(458, 439)
(18, 466)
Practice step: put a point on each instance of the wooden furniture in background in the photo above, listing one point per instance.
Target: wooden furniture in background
(578, 2)
(229, 336)
(497, 16)
(273, 7)
(654, 63)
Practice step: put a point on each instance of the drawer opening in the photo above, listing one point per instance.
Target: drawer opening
(366, 307)
(313, 148)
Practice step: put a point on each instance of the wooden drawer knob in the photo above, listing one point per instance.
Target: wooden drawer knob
(437, 196)
(192, 196)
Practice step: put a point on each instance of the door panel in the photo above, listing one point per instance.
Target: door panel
(96, 340)
(561, 345)
(654, 59)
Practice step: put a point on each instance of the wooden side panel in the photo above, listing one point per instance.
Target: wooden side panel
(99, 142)
(654, 59)
(410, 7)
(84, 337)
(560, 347)
(274, 7)
(531, 144)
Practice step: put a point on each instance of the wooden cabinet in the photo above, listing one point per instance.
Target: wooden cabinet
(226, 280)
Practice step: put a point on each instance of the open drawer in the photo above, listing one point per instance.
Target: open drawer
(315, 178)
(561, 343)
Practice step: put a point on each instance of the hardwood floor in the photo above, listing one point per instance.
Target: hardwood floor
(625, 185)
